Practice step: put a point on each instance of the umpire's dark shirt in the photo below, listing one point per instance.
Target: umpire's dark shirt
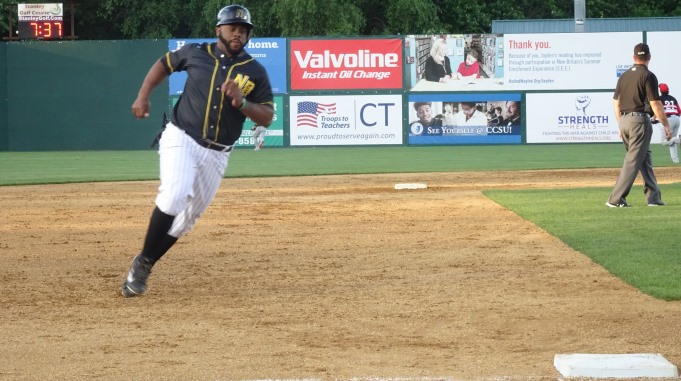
(635, 89)
(203, 111)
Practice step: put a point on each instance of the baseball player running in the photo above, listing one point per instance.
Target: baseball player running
(259, 133)
(672, 110)
(224, 85)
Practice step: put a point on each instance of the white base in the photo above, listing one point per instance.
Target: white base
(642, 365)
(411, 186)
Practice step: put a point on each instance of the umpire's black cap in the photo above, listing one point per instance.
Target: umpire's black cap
(641, 49)
(234, 14)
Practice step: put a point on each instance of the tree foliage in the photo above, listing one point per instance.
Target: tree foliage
(136, 19)
(317, 18)
(412, 16)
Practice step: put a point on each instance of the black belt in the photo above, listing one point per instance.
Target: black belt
(214, 146)
(202, 142)
(635, 113)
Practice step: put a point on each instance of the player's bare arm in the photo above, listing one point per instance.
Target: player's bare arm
(157, 73)
(261, 114)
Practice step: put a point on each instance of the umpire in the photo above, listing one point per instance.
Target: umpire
(635, 100)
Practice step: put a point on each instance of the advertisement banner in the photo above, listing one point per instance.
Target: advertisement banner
(346, 64)
(665, 61)
(571, 118)
(564, 61)
(40, 12)
(465, 119)
(274, 136)
(270, 52)
(547, 61)
(346, 120)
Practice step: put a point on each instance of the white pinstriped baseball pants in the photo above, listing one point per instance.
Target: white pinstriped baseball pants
(674, 123)
(190, 177)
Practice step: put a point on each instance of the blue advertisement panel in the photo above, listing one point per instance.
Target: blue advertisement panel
(270, 52)
(444, 119)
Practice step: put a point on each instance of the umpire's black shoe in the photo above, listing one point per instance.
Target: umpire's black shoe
(136, 282)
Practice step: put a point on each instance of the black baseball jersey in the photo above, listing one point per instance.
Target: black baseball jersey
(670, 104)
(636, 88)
(203, 111)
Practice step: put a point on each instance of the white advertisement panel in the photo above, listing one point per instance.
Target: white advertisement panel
(40, 12)
(665, 59)
(578, 117)
(565, 61)
(346, 120)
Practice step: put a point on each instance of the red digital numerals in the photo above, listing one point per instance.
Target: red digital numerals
(47, 29)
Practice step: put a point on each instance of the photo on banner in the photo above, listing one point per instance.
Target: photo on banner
(339, 120)
(454, 62)
(458, 119)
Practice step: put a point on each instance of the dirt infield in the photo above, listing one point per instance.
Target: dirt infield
(334, 277)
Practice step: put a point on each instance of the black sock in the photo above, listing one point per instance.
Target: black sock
(158, 241)
(166, 243)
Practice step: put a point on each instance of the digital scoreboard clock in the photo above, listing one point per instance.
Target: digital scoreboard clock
(41, 30)
(43, 21)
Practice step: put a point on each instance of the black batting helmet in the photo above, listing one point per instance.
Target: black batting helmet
(234, 14)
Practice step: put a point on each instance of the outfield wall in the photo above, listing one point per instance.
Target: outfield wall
(4, 129)
(76, 95)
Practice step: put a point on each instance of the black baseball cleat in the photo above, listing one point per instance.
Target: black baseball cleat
(136, 282)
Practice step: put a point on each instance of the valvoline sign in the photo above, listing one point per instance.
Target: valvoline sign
(346, 64)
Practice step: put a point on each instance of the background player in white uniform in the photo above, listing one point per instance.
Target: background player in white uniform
(672, 110)
(224, 85)
(259, 133)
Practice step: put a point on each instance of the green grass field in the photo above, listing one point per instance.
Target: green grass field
(88, 166)
(637, 244)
